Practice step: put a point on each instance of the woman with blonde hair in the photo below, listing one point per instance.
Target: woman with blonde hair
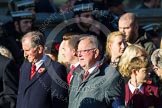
(130, 52)
(115, 47)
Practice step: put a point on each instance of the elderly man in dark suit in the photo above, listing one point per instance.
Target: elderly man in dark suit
(42, 81)
(98, 85)
(8, 83)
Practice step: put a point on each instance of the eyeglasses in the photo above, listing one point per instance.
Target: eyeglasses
(85, 51)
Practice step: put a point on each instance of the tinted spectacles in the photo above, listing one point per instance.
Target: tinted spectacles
(85, 51)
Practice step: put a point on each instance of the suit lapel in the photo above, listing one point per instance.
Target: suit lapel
(82, 83)
(38, 74)
(95, 73)
(26, 69)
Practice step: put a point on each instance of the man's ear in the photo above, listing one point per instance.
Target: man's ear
(97, 52)
(134, 72)
(74, 52)
(40, 49)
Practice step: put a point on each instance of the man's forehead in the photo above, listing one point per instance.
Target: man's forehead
(84, 43)
(125, 23)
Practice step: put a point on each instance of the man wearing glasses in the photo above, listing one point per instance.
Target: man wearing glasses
(97, 85)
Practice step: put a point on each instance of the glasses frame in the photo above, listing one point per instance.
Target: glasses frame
(83, 52)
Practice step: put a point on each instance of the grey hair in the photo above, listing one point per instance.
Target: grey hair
(93, 40)
(37, 38)
(156, 58)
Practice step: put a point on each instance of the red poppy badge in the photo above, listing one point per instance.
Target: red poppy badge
(40, 70)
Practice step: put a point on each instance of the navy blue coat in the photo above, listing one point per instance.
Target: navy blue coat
(47, 89)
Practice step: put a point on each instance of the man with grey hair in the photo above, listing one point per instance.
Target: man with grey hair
(98, 85)
(42, 81)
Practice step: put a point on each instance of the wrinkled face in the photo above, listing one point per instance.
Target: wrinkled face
(88, 20)
(129, 29)
(67, 52)
(142, 74)
(87, 54)
(26, 25)
(31, 54)
(117, 46)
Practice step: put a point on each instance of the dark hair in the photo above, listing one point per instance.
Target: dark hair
(72, 38)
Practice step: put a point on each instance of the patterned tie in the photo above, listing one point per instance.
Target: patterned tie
(33, 71)
(85, 75)
(70, 74)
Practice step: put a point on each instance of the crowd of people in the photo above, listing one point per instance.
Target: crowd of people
(88, 68)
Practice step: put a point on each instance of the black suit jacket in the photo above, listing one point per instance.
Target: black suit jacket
(47, 89)
(8, 83)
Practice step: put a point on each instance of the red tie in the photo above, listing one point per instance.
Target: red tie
(70, 74)
(85, 75)
(33, 71)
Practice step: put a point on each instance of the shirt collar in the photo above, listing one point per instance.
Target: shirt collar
(40, 62)
(75, 65)
(93, 68)
(133, 88)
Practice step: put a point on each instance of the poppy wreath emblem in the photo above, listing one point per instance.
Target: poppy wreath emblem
(56, 47)
(40, 70)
